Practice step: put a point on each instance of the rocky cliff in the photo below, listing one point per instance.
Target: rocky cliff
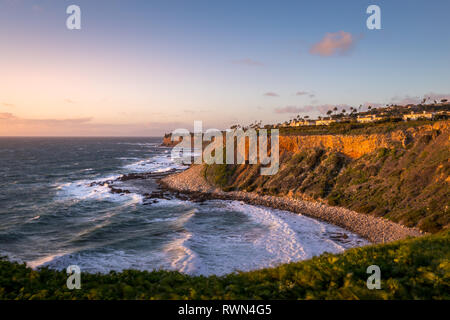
(167, 141)
(402, 175)
(355, 146)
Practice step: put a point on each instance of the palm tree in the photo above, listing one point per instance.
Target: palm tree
(335, 109)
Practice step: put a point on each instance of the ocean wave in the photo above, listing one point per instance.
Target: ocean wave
(94, 190)
(198, 241)
(103, 261)
(153, 164)
(44, 260)
(143, 144)
(312, 234)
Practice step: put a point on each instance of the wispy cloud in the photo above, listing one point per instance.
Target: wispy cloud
(271, 94)
(323, 108)
(69, 101)
(249, 62)
(45, 122)
(6, 116)
(8, 104)
(333, 43)
(305, 93)
(294, 109)
(407, 99)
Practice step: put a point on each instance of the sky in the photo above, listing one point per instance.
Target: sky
(143, 68)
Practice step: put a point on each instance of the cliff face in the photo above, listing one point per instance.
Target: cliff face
(352, 146)
(167, 141)
(402, 175)
(355, 146)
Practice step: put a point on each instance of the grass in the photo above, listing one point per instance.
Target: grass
(354, 128)
(410, 269)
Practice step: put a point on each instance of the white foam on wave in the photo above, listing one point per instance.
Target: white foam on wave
(153, 164)
(104, 261)
(143, 144)
(176, 255)
(180, 254)
(44, 260)
(274, 242)
(281, 241)
(286, 237)
(94, 190)
(204, 247)
(34, 218)
(98, 190)
(292, 237)
(170, 203)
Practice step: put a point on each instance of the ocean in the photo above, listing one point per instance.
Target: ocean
(56, 210)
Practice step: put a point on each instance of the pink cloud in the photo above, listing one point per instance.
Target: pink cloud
(6, 116)
(271, 94)
(333, 43)
(311, 108)
(406, 100)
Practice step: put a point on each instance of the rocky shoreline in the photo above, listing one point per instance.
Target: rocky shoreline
(190, 184)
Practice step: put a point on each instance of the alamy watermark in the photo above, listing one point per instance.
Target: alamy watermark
(73, 21)
(373, 22)
(74, 277)
(374, 281)
(232, 146)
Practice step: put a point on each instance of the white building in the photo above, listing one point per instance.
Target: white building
(416, 116)
(325, 122)
(368, 118)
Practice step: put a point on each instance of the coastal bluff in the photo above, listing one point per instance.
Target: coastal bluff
(350, 145)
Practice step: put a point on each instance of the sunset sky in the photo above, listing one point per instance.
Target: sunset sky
(142, 68)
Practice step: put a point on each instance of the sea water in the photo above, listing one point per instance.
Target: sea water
(55, 213)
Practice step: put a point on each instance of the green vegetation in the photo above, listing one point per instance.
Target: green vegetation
(410, 269)
(354, 128)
